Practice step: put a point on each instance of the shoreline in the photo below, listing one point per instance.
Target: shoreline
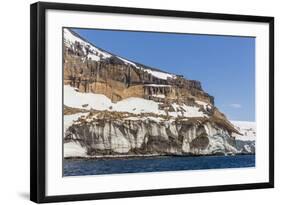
(126, 157)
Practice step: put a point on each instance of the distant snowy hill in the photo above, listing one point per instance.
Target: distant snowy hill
(247, 129)
(246, 142)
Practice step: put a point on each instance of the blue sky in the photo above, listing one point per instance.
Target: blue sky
(225, 65)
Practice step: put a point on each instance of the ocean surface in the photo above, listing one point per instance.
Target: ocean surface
(79, 167)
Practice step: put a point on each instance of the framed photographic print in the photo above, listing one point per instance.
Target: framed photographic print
(129, 102)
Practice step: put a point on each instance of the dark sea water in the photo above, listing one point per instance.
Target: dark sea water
(80, 167)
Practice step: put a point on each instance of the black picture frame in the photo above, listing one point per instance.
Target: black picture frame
(38, 101)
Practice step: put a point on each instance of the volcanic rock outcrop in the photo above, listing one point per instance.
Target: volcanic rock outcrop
(114, 107)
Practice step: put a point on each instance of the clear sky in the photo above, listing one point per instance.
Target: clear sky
(225, 65)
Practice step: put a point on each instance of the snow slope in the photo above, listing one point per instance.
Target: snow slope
(133, 105)
(70, 39)
(97, 54)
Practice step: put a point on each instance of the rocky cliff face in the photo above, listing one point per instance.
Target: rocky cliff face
(93, 70)
(109, 135)
(114, 106)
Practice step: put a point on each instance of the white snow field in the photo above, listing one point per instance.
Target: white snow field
(134, 105)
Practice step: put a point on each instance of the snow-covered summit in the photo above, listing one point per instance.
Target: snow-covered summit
(91, 51)
(96, 54)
